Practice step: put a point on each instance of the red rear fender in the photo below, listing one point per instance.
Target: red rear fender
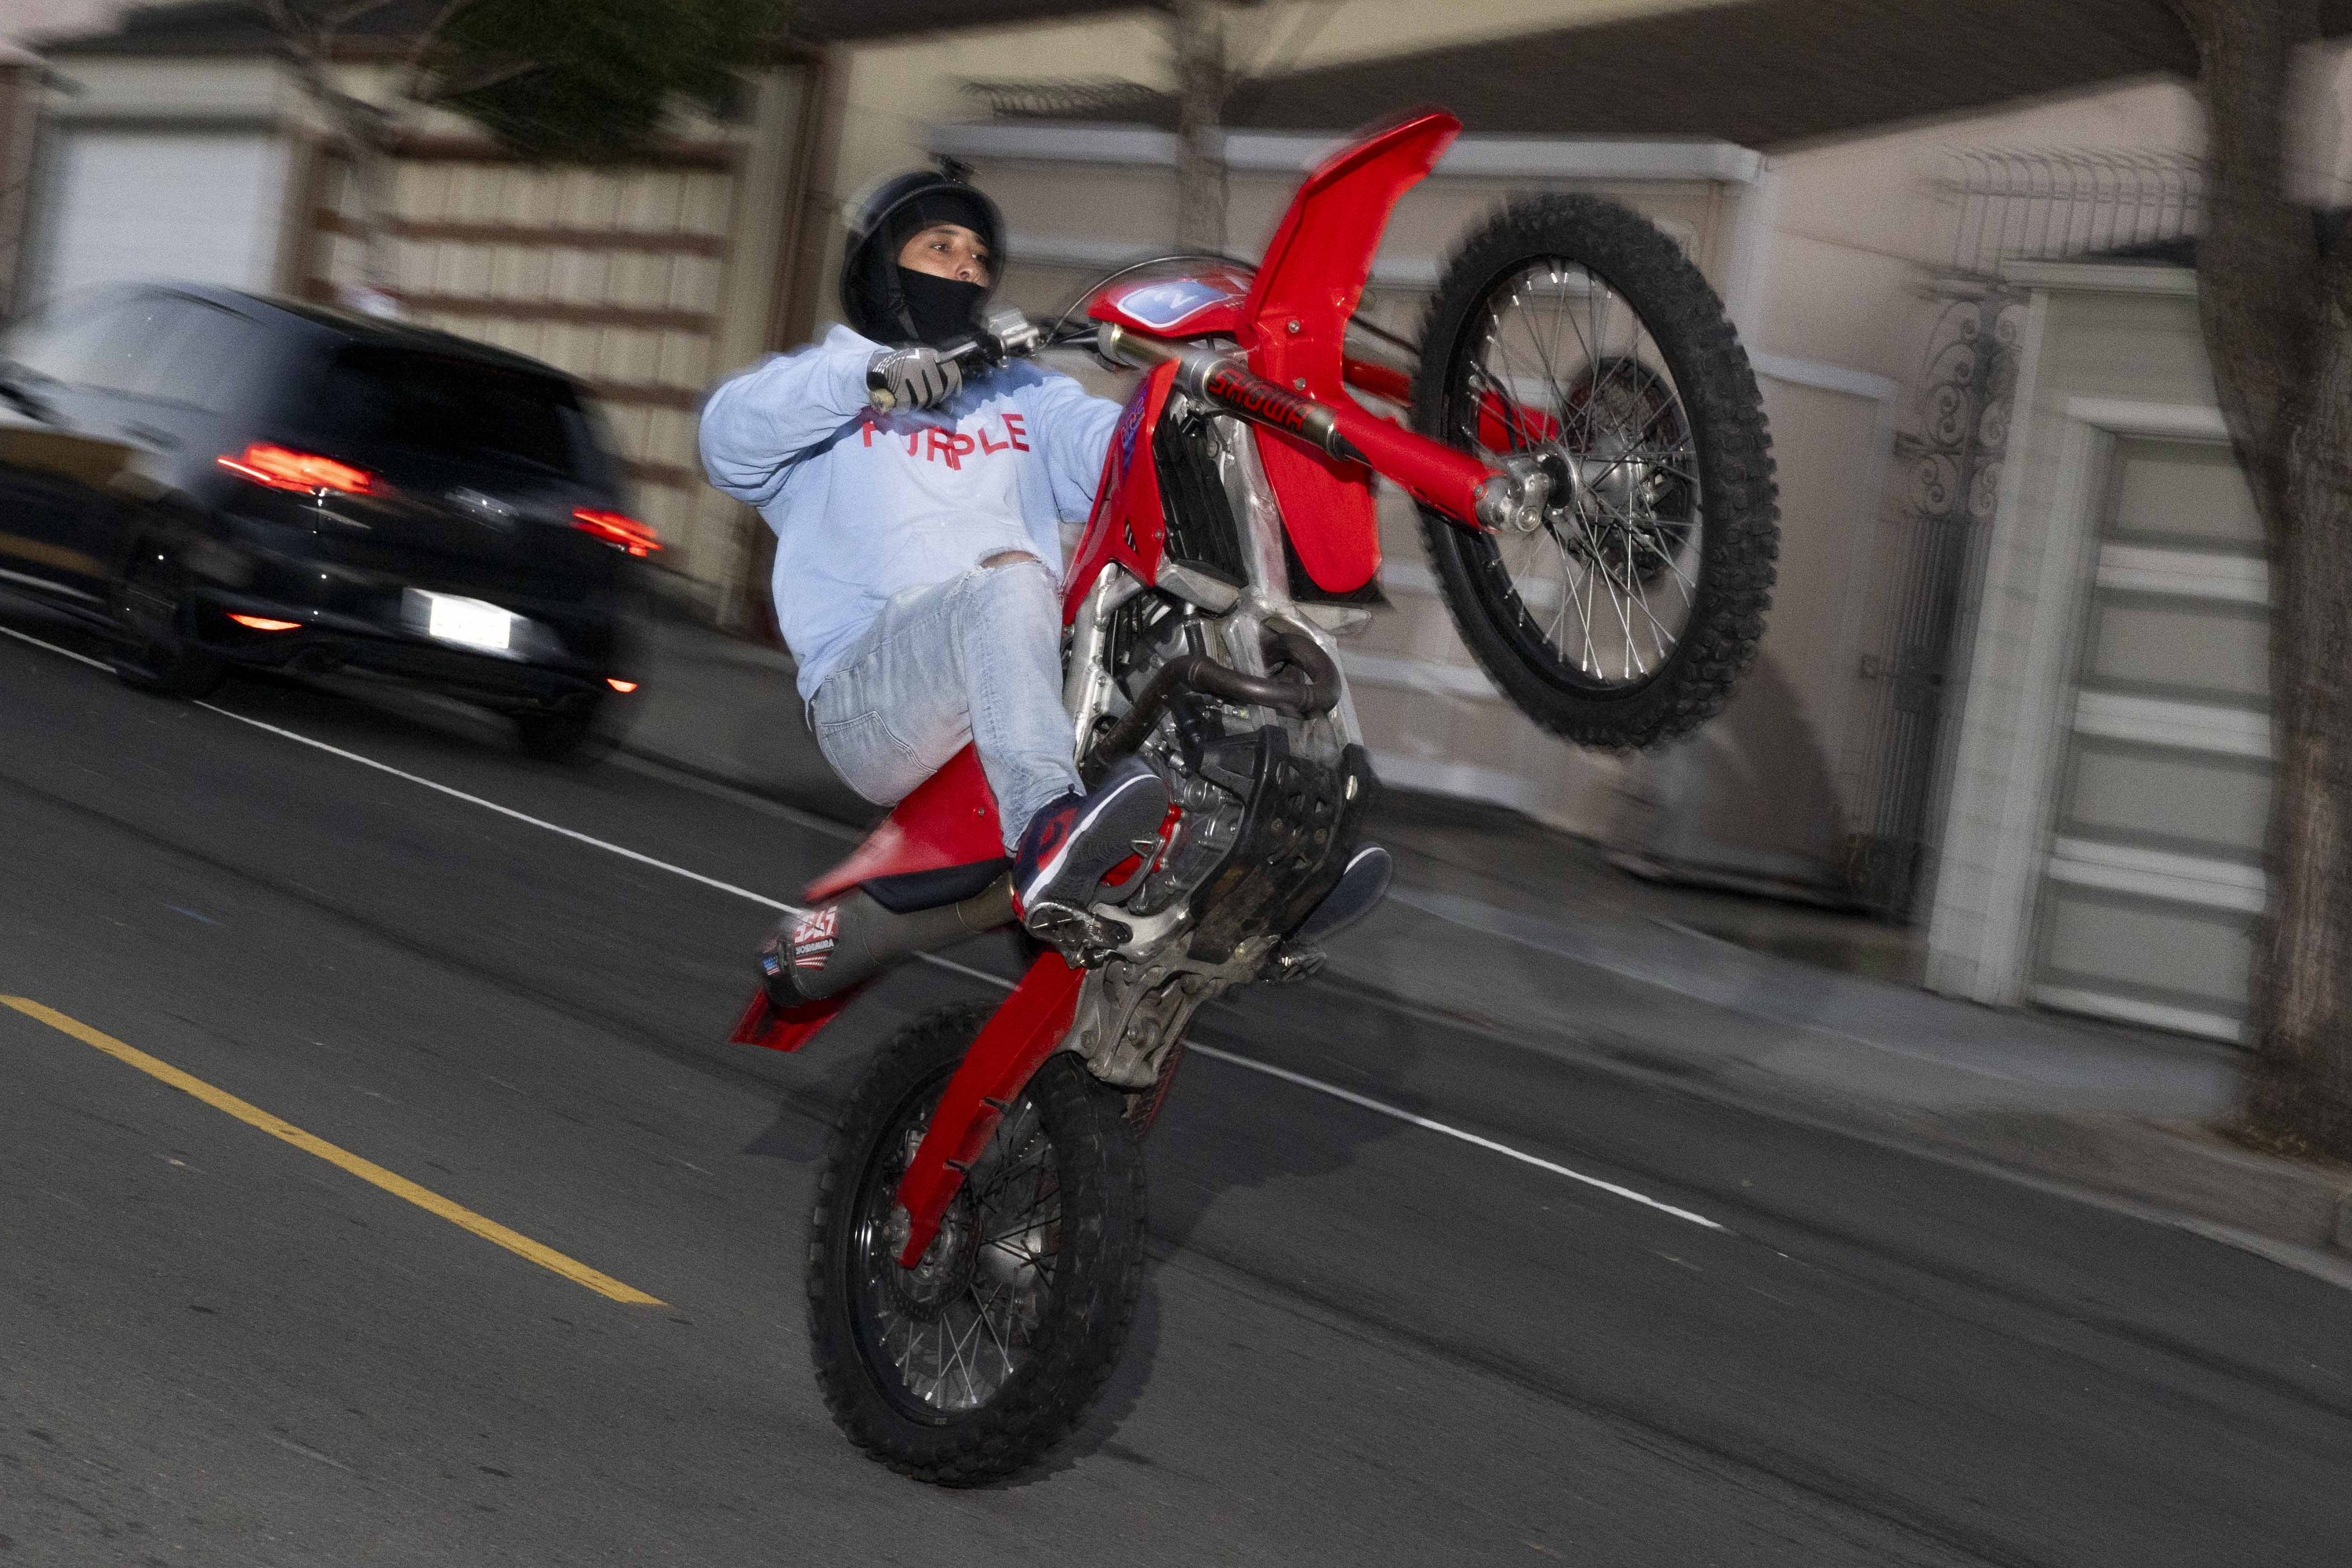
(950, 820)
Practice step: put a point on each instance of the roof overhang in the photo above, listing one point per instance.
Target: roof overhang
(1291, 152)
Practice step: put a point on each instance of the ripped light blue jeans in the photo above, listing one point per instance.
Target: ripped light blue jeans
(973, 660)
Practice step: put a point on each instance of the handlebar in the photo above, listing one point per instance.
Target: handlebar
(1512, 496)
(1004, 335)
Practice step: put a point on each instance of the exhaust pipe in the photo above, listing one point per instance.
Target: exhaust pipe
(835, 946)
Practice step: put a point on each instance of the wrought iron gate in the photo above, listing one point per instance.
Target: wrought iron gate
(2004, 206)
(1951, 460)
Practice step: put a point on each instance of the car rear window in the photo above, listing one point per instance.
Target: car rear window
(377, 398)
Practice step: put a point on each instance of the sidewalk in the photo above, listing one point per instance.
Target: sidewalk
(1501, 923)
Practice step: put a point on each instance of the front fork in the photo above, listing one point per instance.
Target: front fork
(1019, 1035)
(1038, 1019)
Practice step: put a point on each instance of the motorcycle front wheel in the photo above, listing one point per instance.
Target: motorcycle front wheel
(973, 1363)
(1574, 331)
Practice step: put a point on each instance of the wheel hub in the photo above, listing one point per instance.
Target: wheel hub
(946, 1268)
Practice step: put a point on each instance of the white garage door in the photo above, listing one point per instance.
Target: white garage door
(2155, 882)
(197, 207)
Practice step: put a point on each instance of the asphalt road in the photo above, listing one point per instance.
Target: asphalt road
(1362, 1341)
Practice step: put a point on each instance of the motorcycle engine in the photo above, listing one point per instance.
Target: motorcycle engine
(1147, 632)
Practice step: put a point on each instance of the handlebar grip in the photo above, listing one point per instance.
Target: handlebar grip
(1014, 335)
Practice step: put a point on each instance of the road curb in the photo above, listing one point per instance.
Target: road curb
(2180, 1168)
(2175, 1165)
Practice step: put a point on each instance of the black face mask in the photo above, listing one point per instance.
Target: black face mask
(940, 310)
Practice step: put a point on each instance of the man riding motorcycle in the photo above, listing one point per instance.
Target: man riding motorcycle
(918, 554)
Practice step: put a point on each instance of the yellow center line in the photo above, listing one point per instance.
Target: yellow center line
(365, 1170)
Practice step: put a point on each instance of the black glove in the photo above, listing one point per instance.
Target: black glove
(916, 376)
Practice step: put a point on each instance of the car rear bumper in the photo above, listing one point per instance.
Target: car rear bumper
(545, 670)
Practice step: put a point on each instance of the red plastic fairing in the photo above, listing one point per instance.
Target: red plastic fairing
(1018, 1037)
(1296, 320)
(1128, 525)
(1199, 304)
(787, 1029)
(950, 820)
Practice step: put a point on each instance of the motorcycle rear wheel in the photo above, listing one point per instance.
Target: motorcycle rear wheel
(975, 1363)
(1573, 328)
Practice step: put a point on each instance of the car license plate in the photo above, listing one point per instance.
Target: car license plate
(469, 623)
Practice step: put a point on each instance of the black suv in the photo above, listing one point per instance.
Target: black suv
(223, 480)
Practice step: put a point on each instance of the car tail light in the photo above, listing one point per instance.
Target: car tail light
(282, 469)
(617, 684)
(617, 528)
(264, 624)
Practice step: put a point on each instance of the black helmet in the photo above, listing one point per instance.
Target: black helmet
(873, 294)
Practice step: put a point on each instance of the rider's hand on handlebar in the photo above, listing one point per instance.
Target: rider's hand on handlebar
(915, 376)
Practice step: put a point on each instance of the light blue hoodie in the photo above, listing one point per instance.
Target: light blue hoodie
(867, 505)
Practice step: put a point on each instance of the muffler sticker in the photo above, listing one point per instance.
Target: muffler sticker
(812, 937)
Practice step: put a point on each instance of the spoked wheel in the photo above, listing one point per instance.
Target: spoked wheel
(155, 651)
(1571, 330)
(981, 1358)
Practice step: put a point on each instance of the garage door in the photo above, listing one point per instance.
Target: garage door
(2155, 883)
(198, 206)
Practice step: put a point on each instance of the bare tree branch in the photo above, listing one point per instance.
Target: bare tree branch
(415, 70)
(336, 21)
(442, 91)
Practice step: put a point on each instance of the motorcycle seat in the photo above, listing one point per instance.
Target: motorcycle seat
(908, 892)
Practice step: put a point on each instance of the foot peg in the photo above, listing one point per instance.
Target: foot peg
(1080, 934)
(1290, 963)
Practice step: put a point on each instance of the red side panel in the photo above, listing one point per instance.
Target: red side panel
(950, 820)
(1014, 1044)
(1128, 525)
(1296, 318)
(787, 1029)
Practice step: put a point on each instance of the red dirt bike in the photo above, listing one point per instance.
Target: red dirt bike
(1595, 482)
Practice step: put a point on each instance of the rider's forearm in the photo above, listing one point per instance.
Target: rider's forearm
(757, 425)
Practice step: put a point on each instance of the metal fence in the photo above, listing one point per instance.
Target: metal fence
(2044, 204)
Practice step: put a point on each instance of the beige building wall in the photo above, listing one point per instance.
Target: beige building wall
(893, 92)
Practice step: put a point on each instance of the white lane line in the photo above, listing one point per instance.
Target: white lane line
(571, 833)
(1301, 1080)
(1352, 1098)
(77, 658)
